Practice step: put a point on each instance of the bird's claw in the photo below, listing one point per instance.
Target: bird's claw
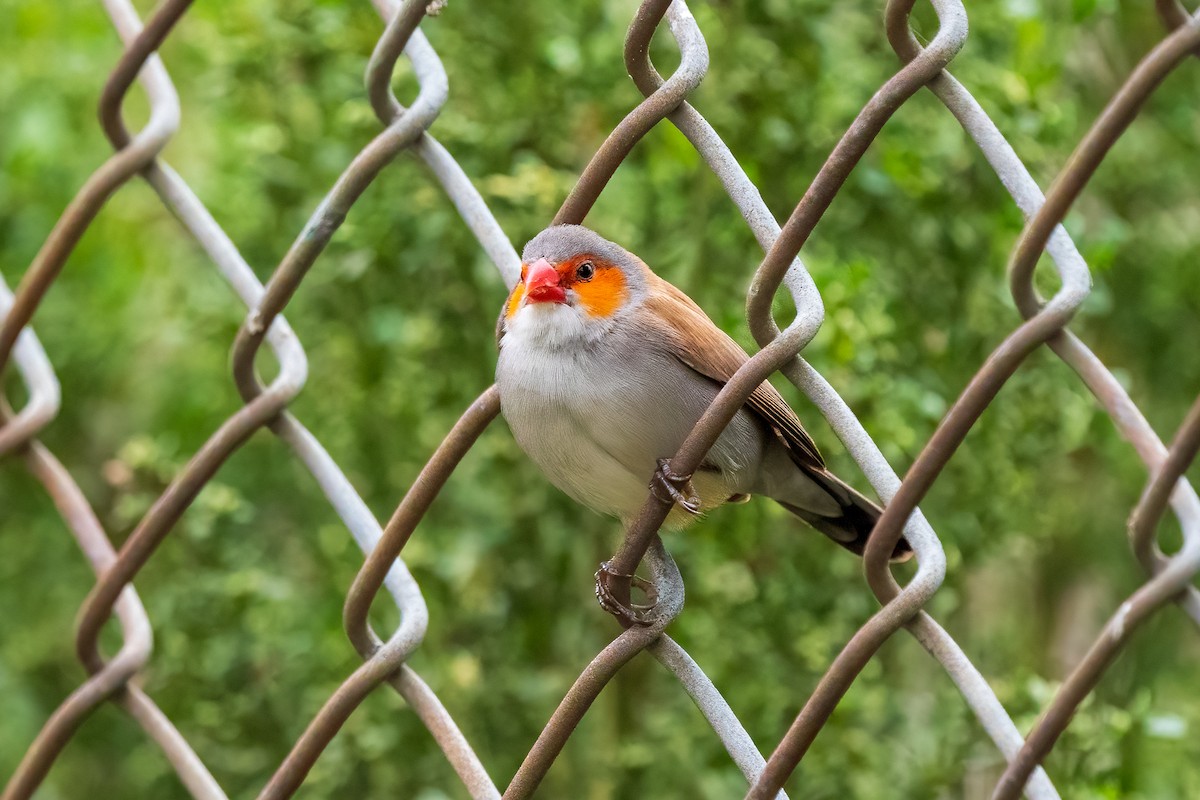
(672, 488)
(633, 613)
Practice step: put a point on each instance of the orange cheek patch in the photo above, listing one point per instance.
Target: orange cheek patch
(514, 299)
(603, 294)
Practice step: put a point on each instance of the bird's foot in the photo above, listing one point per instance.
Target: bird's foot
(633, 613)
(672, 488)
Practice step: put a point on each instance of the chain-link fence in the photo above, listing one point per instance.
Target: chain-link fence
(113, 678)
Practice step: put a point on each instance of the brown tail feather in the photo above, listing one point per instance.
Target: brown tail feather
(859, 515)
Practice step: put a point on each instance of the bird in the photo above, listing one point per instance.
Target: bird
(604, 368)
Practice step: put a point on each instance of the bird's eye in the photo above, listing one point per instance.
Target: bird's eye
(585, 271)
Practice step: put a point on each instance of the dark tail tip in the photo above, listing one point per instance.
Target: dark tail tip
(853, 528)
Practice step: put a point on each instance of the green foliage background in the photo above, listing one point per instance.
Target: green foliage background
(397, 320)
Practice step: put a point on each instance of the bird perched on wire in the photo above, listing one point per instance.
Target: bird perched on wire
(605, 368)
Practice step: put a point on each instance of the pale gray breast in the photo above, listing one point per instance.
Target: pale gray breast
(596, 417)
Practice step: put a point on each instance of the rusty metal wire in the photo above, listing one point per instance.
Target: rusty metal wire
(384, 660)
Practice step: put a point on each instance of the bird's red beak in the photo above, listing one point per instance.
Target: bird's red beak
(543, 283)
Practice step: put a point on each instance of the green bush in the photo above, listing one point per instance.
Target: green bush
(397, 321)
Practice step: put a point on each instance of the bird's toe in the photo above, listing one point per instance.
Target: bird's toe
(673, 488)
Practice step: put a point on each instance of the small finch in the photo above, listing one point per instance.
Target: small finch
(604, 369)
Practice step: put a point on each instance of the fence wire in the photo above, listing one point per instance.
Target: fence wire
(114, 679)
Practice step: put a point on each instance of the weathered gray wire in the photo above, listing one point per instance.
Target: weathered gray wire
(42, 385)
(849, 429)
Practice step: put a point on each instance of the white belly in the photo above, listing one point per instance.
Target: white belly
(595, 418)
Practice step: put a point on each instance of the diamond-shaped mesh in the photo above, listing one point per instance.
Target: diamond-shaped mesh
(111, 679)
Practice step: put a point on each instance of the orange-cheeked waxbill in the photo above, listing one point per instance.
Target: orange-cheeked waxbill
(604, 369)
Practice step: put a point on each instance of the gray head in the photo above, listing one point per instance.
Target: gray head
(573, 280)
(560, 243)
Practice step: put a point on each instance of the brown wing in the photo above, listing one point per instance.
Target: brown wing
(701, 345)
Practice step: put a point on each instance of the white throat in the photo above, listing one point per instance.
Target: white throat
(551, 326)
